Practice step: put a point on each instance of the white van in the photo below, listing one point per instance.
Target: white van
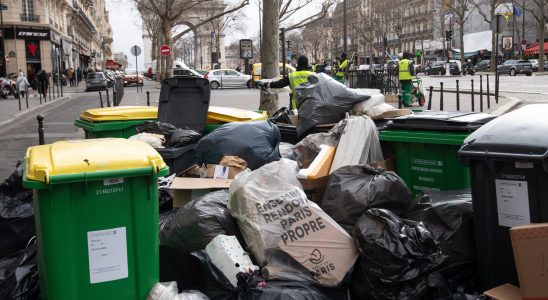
(176, 65)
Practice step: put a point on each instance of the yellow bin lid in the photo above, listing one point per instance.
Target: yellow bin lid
(218, 114)
(87, 156)
(120, 113)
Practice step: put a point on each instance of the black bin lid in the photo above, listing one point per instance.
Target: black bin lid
(518, 135)
(184, 102)
(442, 120)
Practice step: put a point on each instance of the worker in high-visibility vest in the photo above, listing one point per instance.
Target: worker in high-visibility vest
(405, 76)
(343, 66)
(294, 79)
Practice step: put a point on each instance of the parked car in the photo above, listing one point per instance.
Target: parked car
(256, 70)
(482, 66)
(132, 77)
(184, 72)
(97, 81)
(228, 78)
(438, 68)
(201, 72)
(513, 67)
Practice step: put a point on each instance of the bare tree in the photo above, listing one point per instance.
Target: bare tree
(539, 13)
(313, 37)
(460, 11)
(291, 8)
(270, 52)
(487, 9)
(366, 28)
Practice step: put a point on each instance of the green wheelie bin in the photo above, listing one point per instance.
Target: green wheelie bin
(116, 122)
(96, 213)
(425, 146)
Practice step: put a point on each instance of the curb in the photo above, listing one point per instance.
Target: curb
(20, 114)
(513, 103)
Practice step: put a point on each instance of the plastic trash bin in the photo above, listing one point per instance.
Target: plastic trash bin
(425, 147)
(508, 161)
(218, 115)
(96, 205)
(119, 121)
(184, 102)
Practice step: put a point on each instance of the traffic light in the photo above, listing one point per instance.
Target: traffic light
(448, 35)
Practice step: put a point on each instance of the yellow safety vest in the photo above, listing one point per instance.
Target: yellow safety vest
(296, 78)
(342, 68)
(404, 73)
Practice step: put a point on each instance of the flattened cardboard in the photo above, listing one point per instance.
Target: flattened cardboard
(530, 245)
(183, 188)
(314, 188)
(504, 292)
(232, 172)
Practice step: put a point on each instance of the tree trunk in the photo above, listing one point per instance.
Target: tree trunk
(270, 52)
(461, 39)
(494, 39)
(166, 31)
(541, 38)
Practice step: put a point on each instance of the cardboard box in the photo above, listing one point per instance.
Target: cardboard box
(530, 245)
(185, 189)
(314, 188)
(213, 170)
(504, 292)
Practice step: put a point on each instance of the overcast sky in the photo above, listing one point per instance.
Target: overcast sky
(126, 25)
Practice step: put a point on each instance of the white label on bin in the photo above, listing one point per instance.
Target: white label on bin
(512, 202)
(524, 165)
(111, 181)
(107, 252)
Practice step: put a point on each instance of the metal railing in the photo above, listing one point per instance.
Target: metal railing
(385, 80)
(30, 18)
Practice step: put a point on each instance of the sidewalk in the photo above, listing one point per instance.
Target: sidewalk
(9, 108)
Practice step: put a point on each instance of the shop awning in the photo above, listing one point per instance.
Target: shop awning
(535, 48)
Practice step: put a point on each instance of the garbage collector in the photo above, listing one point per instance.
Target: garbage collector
(406, 71)
(343, 66)
(293, 79)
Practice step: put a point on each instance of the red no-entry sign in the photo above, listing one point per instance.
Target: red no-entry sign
(165, 50)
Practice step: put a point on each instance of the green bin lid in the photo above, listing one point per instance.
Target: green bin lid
(85, 157)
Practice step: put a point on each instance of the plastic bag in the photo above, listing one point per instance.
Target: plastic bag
(198, 222)
(183, 137)
(19, 275)
(154, 140)
(16, 213)
(323, 100)
(378, 110)
(359, 144)
(164, 129)
(361, 108)
(352, 190)
(281, 116)
(286, 151)
(169, 291)
(309, 147)
(396, 257)
(289, 236)
(255, 142)
(449, 216)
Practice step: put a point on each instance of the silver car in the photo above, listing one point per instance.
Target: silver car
(96, 81)
(227, 78)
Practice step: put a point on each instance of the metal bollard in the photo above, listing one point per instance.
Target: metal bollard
(101, 99)
(481, 93)
(41, 139)
(472, 93)
(430, 98)
(488, 92)
(458, 96)
(108, 98)
(399, 101)
(27, 96)
(18, 96)
(49, 91)
(148, 98)
(497, 86)
(114, 98)
(441, 96)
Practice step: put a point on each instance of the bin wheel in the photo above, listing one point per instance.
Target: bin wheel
(422, 100)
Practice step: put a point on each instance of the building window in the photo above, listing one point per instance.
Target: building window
(28, 7)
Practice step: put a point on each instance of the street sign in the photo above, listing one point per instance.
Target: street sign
(3, 7)
(246, 49)
(165, 50)
(136, 50)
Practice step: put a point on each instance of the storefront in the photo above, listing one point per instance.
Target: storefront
(30, 50)
(58, 64)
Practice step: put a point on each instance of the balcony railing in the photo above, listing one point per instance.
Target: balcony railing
(30, 18)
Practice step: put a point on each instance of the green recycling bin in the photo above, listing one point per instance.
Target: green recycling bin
(96, 212)
(117, 122)
(425, 147)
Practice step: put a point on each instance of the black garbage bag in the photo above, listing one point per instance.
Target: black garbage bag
(292, 290)
(255, 142)
(198, 222)
(448, 215)
(351, 190)
(19, 275)
(323, 100)
(396, 257)
(164, 129)
(281, 116)
(16, 213)
(182, 137)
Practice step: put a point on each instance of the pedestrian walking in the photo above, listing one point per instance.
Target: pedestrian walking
(294, 79)
(23, 84)
(35, 84)
(70, 76)
(79, 76)
(44, 82)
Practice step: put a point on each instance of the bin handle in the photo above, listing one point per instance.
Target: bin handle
(155, 162)
(42, 171)
(483, 155)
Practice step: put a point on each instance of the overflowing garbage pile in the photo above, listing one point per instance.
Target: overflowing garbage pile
(165, 135)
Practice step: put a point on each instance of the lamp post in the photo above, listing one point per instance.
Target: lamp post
(5, 67)
(345, 42)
